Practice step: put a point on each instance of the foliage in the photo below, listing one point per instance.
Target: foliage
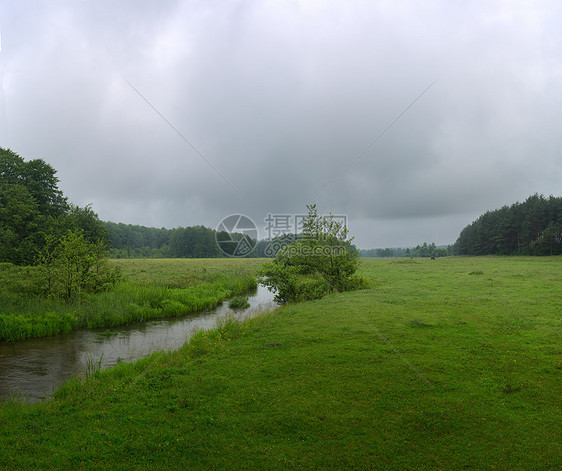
(193, 242)
(72, 266)
(321, 260)
(424, 250)
(430, 250)
(32, 209)
(385, 253)
(533, 227)
(131, 241)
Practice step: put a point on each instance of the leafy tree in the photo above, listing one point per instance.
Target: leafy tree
(423, 250)
(440, 252)
(194, 242)
(19, 217)
(32, 209)
(321, 260)
(40, 179)
(86, 220)
(72, 265)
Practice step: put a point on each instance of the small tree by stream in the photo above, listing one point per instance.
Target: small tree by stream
(321, 260)
(72, 265)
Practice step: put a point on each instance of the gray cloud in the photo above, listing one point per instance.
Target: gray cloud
(280, 97)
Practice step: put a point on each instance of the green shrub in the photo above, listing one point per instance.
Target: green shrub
(311, 287)
(320, 261)
(72, 266)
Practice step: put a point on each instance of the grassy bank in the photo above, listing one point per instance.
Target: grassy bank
(151, 289)
(446, 364)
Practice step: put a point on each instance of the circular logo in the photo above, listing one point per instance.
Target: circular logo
(236, 235)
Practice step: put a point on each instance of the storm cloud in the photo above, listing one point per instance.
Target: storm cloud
(411, 118)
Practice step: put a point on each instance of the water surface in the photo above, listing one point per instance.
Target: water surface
(32, 368)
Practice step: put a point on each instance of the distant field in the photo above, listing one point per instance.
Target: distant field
(454, 363)
(182, 272)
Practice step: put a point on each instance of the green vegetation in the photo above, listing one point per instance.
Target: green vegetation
(533, 227)
(130, 241)
(430, 368)
(424, 250)
(33, 209)
(151, 290)
(320, 261)
(133, 241)
(72, 266)
(33, 212)
(239, 302)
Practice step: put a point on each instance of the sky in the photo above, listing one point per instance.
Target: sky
(408, 118)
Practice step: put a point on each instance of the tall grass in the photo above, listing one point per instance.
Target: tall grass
(25, 313)
(130, 303)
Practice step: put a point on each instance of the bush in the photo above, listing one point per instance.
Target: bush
(311, 287)
(72, 265)
(320, 261)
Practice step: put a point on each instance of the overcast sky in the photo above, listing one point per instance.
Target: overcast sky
(412, 118)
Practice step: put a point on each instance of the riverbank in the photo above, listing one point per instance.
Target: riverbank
(151, 289)
(450, 364)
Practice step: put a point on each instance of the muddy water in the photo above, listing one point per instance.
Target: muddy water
(32, 368)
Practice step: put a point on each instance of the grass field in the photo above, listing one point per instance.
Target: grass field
(151, 289)
(448, 364)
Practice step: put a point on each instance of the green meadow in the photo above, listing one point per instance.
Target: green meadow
(454, 363)
(150, 289)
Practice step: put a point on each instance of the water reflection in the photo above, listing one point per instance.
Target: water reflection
(32, 368)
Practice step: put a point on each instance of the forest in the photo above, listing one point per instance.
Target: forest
(34, 209)
(133, 241)
(424, 250)
(533, 227)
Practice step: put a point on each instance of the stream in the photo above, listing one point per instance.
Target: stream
(32, 368)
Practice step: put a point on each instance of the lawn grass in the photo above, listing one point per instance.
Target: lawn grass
(150, 289)
(448, 364)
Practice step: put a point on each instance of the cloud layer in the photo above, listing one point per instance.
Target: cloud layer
(180, 113)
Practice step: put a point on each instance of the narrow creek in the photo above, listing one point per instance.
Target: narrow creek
(32, 368)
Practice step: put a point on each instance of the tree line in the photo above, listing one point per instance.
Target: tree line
(423, 250)
(533, 227)
(134, 241)
(33, 210)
